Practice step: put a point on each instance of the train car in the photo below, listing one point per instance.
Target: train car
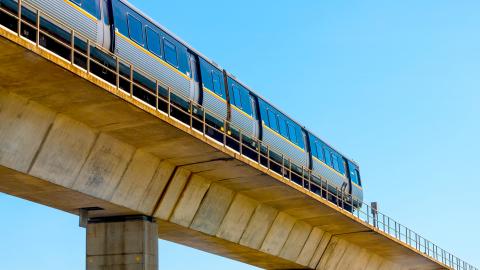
(286, 138)
(214, 93)
(338, 171)
(196, 83)
(244, 114)
(142, 42)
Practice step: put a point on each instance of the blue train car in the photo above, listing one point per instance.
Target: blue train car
(151, 49)
(338, 171)
(196, 82)
(286, 137)
(214, 93)
(243, 110)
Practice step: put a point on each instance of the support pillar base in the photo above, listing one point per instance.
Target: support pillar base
(123, 243)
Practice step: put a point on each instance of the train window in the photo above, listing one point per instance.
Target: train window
(320, 153)
(313, 147)
(135, 29)
(300, 137)
(292, 132)
(354, 176)
(334, 160)
(170, 52)
(236, 97)
(341, 165)
(253, 108)
(272, 118)
(283, 127)
(217, 87)
(264, 115)
(153, 41)
(106, 17)
(359, 180)
(328, 161)
(246, 104)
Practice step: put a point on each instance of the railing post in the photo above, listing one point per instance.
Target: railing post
(191, 114)
(268, 157)
(131, 80)
(310, 180)
(289, 169)
(19, 14)
(72, 45)
(169, 105)
(38, 28)
(204, 122)
(156, 95)
(88, 56)
(240, 142)
(303, 177)
(388, 224)
(118, 72)
(224, 132)
(259, 153)
(368, 214)
(283, 166)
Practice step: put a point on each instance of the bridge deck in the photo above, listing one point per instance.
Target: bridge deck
(224, 188)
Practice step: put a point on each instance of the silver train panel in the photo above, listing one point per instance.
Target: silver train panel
(357, 193)
(334, 179)
(154, 67)
(217, 108)
(71, 17)
(297, 156)
(247, 125)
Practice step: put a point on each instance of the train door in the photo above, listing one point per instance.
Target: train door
(105, 29)
(347, 169)
(256, 123)
(194, 83)
(306, 145)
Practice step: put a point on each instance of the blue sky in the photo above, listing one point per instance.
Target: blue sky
(394, 85)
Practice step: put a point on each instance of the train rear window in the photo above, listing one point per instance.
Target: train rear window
(170, 53)
(135, 29)
(153, 41)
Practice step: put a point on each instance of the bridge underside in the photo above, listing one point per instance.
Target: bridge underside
(69, 140)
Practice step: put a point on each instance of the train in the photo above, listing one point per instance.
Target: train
(196, 82)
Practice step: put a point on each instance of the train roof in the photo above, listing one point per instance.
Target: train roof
(184, 43)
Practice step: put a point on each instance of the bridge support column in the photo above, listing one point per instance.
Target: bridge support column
(127, 242)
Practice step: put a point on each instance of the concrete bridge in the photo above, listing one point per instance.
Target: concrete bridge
(72, 141)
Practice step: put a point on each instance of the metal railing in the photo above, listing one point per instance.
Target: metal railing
(258, 151)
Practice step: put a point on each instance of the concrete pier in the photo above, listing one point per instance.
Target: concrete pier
(121, 243)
